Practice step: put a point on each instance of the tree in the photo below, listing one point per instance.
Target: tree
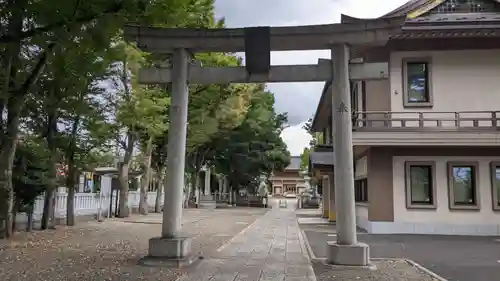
(31, 31)
(29, 176)
(304, 159)
(254, 147)
(213, 110)
(65, 109)
(317, 138)
(140, 114)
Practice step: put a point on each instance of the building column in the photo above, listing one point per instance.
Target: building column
(224, 185)
(207, 182)
(170, 245)
(346, 250)
(332, 210)
(325, 196)
(221, 183)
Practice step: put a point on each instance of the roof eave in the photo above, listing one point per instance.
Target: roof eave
(322, 100)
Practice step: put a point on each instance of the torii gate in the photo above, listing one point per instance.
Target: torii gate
(257, 43)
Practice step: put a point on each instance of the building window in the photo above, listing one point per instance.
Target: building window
(417, 83)
(463, 185)
(420, 185)
(361, 190)
(495, 185)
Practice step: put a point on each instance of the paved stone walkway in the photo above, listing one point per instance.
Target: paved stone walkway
(269, 249)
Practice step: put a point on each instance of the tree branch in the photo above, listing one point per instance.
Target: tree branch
(199, 90)
(10, 38)
(37, 71)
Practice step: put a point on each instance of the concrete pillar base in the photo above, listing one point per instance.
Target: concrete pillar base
(349, 255)
(169, 252)
(332, 216)
(325, 214)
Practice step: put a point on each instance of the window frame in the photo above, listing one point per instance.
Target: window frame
(361, 201)
(430, 101)
(451, 194)
(409, 203)
(494, 191)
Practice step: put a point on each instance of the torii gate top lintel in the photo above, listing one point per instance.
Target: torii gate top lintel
(282, 38)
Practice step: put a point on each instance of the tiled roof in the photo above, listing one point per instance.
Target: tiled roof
(451, 26)
(321, 158)
(429, 34)
(436, 25)
(469, 18)
(405, 8)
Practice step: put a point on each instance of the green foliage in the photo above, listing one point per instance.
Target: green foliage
(254, 147)
(30, 173)
(54, 59)
(317, 137)
(304, 159)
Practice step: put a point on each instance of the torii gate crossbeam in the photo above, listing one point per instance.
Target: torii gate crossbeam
(336, 37)
(279, 73)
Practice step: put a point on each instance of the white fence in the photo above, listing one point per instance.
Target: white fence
(87, 204)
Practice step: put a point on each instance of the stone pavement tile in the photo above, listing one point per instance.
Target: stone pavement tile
(232, 265)
(201, 274)
(272, 276)
(248, 276)
(224, 276)
(299, 271)
(274, 267)
(277, 251)
(294, 278)
(269, 250)
(253, 262)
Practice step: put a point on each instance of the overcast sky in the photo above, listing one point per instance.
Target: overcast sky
(299, 100)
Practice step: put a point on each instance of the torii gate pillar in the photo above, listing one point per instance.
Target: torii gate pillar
(346, 250)
(171, 246)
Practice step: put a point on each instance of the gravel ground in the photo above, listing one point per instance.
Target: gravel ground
(387, 270)
(112, 249)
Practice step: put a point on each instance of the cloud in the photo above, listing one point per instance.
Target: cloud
(299, 100)
(296, 139)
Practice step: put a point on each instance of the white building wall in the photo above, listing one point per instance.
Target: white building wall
(362, 208)
(462, 80)
(443, 220)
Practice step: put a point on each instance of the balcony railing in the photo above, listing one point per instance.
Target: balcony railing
(426, 121)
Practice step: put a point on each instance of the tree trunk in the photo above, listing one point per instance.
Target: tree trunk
(7, 153)
(16, 97)
(146, 179)
(48, 216)
(31, 209)
(159, 191)
(15, 210)
(72, 176)
(70, 203)
(193, 189)
(46, 222)
(9, 135)
(123, 209)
